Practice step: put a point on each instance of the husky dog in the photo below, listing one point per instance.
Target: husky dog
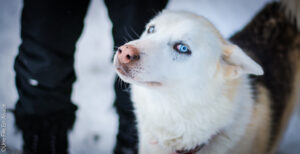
(196, 92)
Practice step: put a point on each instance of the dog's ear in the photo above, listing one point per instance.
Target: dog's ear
(236, 62)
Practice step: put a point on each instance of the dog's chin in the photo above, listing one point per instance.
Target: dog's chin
(129, 78)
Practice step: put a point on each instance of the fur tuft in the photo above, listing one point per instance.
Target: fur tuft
(292, 10)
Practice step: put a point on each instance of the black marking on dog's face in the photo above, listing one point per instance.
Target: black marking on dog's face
(268, 39)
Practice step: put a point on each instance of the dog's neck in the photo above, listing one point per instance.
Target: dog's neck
(189, 109)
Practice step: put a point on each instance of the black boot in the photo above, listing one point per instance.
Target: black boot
(127, 135)
(45, 134)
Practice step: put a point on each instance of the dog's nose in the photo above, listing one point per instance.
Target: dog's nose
(128, 54)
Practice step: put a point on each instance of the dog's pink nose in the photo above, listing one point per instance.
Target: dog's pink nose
(128, 54)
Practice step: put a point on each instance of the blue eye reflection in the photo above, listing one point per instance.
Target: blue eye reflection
(183, 48)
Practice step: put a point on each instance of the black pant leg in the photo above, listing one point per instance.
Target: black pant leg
(44, 64)
(129, 18)
(44, 68)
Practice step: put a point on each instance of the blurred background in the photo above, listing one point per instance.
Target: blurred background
(96, 125)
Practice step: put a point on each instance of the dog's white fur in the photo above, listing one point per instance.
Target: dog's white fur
(182, 101)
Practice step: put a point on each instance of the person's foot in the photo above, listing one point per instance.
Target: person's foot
(49, 139)
(46, 134)
(121, 149)
(127, 135)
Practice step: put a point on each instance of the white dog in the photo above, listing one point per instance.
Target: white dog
(191, 90)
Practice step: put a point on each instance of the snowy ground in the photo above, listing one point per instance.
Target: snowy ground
(93, 91)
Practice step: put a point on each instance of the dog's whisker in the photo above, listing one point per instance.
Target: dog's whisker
(128, 34)
(154, 11)
(120, 83)
(122, 87)
(134, 32)
(125, 39)
(116, 47)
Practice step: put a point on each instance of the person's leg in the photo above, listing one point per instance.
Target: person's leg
(45, 73)
(129, 18)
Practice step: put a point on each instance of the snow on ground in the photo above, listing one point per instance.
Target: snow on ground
(96, 124)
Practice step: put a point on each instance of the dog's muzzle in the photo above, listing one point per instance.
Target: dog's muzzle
(126, 57)
(127, 54)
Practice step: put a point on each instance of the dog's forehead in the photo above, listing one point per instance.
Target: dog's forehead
(176, 19)
(187, 22)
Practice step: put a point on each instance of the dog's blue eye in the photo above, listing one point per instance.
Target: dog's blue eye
(182, 48)
(151, 29)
